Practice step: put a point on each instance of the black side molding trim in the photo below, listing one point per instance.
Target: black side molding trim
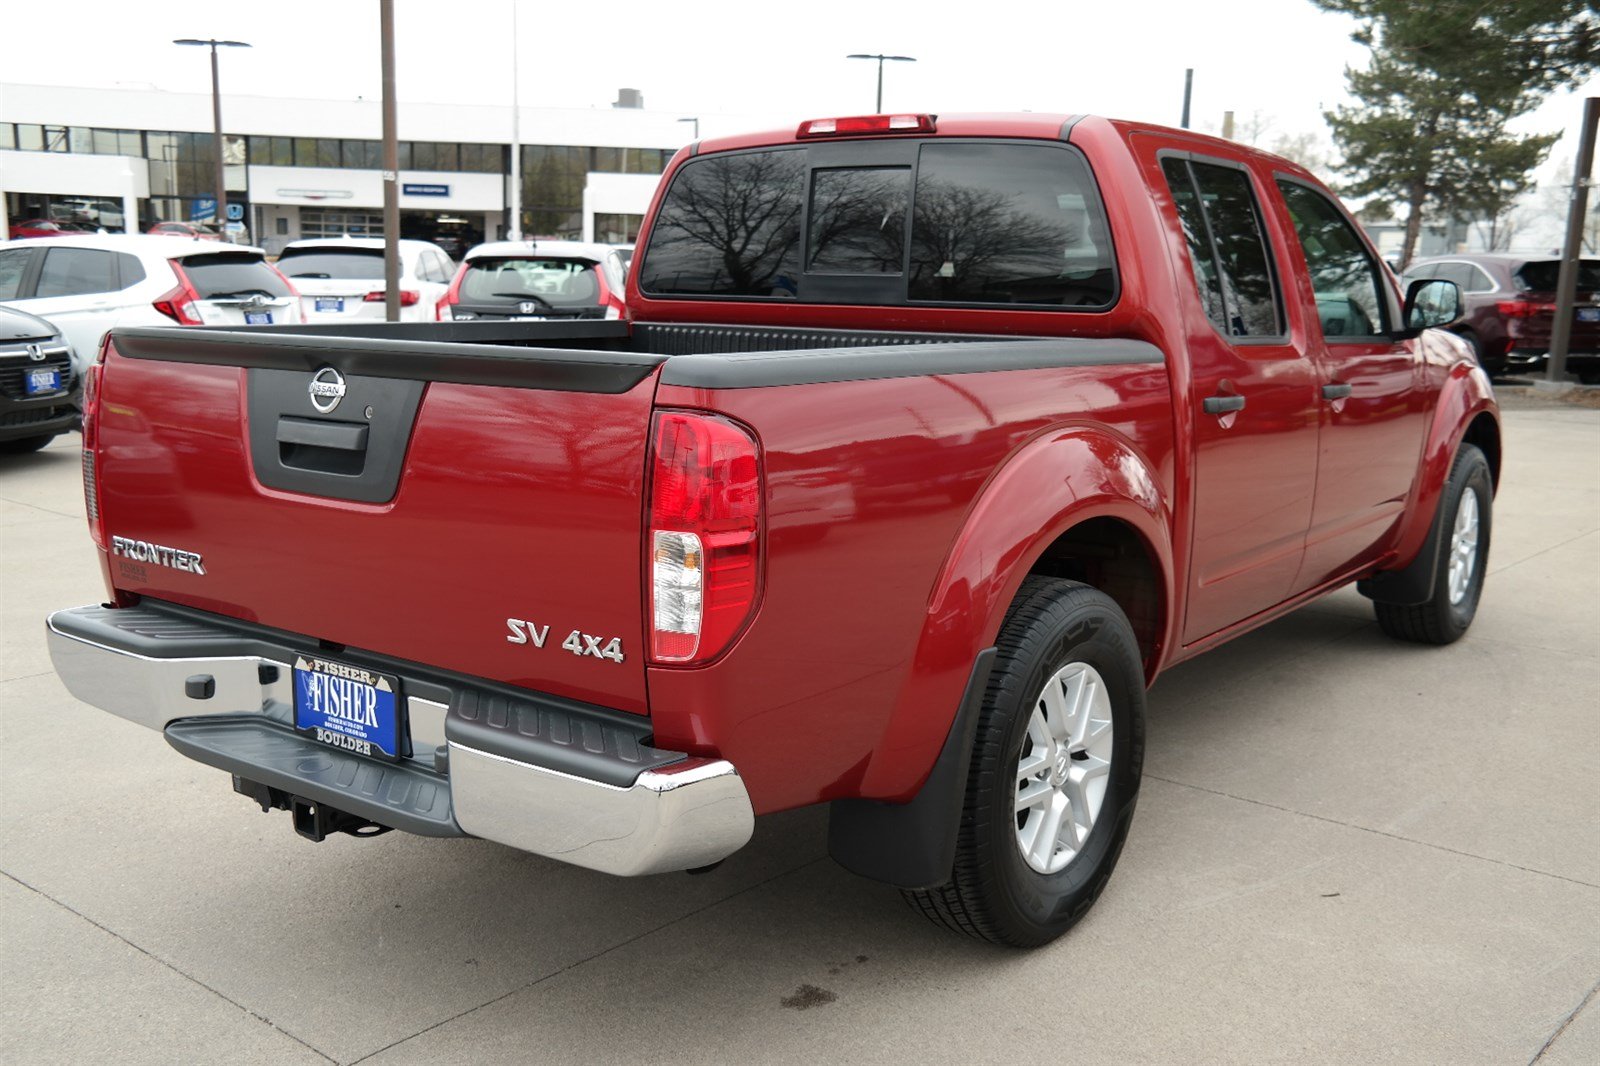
(556, 369)
(764, 369)
(913, 845)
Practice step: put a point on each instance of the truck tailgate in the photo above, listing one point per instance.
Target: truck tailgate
(464, 506)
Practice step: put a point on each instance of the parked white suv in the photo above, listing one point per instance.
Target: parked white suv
(340, 279)
(87, 285)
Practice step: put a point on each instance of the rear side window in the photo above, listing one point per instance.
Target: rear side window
(1232, 266)
(1010, 224)
(77, 272)
(1346, 281)
(13, 264)
(1543, 276)
(216, 277)
(552, 282)
(340, 264)
(953, 223)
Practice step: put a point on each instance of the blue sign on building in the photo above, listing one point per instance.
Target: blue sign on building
(424, 190)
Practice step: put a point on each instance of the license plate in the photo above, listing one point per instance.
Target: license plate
(347, 707)
(1589, 314)
(527, 318)
(330, 303)
(39, 381)
(258, 318)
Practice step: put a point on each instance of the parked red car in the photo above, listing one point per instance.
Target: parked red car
(924, 447)
(201, 231)
(1511, 305)
(45, 227)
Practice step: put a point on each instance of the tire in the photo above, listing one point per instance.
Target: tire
(1445, 617)
(23, 445)
(995, 893)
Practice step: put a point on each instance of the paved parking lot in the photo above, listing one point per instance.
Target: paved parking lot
(1347, 850)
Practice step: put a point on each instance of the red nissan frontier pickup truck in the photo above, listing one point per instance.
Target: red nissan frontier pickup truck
(927, 443)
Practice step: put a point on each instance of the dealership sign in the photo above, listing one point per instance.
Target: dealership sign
(424, 190)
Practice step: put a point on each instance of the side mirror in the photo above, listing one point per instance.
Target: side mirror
(1430, 302)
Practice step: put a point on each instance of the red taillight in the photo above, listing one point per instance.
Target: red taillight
(178, 304)
(91, 451)
(835, 127)
(1524, 308)
(704, 541)
(451, 297)
(408, 297)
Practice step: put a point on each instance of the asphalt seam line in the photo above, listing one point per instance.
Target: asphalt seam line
(156, 958)
(1369, 829)
(588, 959)
(1568, 1020)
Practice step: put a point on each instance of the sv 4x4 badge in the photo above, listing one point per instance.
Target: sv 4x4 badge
(578, 642)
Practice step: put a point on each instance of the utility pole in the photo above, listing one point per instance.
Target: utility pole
(514, 230)
(221, 212)
(1567, 280)
(881, 59)
(391, 169)
(1188, 91)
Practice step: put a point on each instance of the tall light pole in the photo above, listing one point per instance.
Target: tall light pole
(514, 231)
(391, 168)
(881, 60)
(216, 121)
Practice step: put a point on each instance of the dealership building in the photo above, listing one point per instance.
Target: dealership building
(126, 159)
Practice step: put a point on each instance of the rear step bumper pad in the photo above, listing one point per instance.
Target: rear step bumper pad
(539, 784)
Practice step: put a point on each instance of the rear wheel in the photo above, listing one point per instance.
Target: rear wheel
(23, 445)
(1055, 770)
(1466, 506)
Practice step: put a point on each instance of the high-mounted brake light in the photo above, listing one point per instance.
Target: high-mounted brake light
(704, 541)
(859, 124)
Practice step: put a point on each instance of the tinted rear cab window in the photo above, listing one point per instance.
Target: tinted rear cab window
(340, 264)
(240, 274)
(974, 223)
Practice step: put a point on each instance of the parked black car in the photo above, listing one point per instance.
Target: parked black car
(38, 390)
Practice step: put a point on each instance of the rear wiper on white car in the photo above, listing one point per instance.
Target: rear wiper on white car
(323, 276)
(238, 295)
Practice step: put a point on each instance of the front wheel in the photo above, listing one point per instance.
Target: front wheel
(1055, 770)
(1465, 509)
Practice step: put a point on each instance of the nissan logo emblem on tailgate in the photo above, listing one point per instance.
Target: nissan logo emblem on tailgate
(327, 389)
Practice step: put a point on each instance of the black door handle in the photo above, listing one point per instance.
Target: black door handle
(1221, 405)
(1336, 392)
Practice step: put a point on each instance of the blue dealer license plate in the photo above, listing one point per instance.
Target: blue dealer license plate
(258, 318)
(39, 381)
(1589, 314)
(330, 303)
(347, 707)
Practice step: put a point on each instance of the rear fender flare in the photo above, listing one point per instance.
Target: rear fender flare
(1061, 477)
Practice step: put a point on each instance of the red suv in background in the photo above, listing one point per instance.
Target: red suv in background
(1511, 308)
(200, 231)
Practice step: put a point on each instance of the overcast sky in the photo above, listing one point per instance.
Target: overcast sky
(745, 63)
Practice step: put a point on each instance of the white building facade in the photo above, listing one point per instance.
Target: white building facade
(120, 159)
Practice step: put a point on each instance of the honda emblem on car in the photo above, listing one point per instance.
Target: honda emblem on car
(527, 307)
(327, 389)
(36, 352)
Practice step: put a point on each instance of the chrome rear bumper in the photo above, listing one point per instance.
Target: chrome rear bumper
(651, 813)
